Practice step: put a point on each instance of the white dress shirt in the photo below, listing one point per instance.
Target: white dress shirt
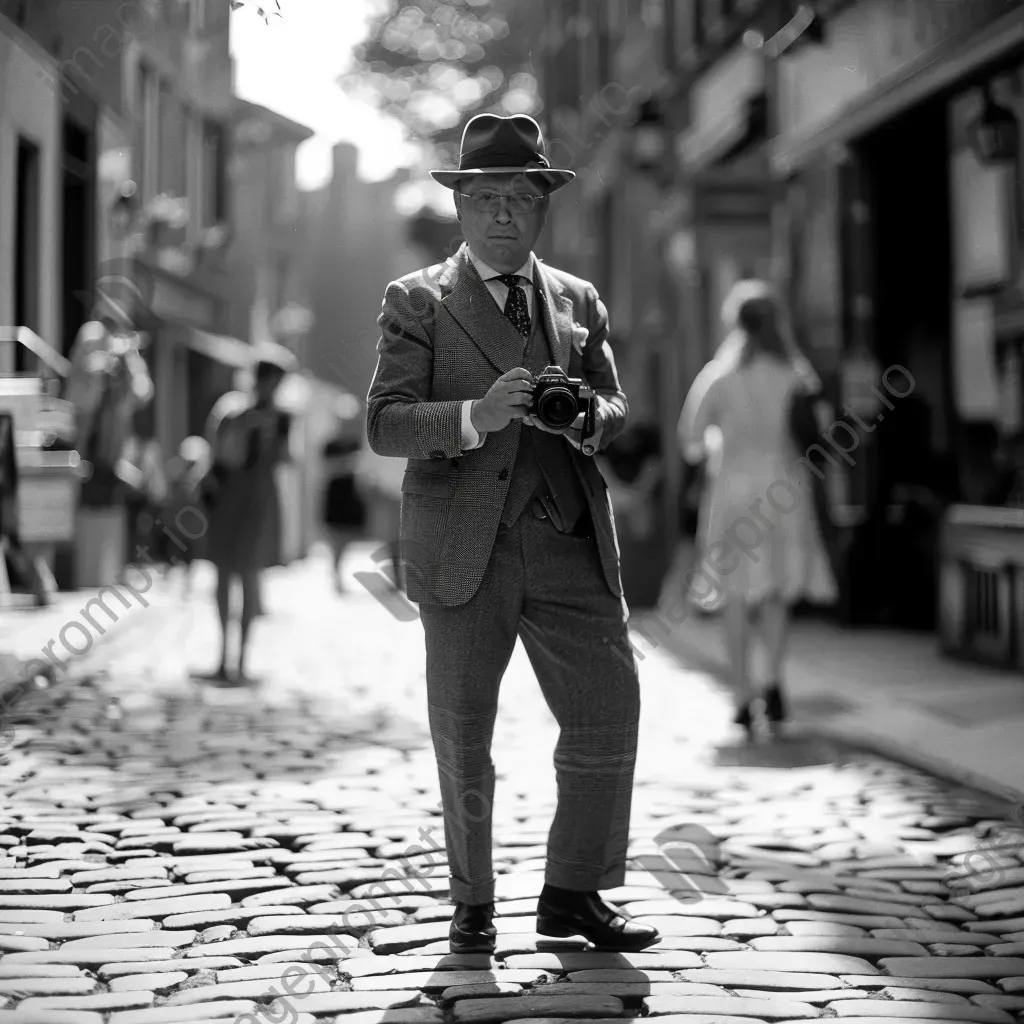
(471, 438)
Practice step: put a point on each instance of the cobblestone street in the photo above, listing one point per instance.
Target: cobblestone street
(172, 854)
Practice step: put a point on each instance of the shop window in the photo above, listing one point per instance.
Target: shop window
(214, 174)
(172, 131)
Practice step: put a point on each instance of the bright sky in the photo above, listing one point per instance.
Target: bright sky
(291, 65)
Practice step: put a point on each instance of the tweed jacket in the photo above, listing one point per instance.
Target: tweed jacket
(444, 340)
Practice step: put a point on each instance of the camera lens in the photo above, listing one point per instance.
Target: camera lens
(557, 407)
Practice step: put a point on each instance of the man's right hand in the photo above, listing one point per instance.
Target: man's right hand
(509, 398)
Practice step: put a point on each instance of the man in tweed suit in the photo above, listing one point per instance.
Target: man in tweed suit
(507, 531)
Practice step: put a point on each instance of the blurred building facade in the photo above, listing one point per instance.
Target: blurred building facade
(866, 156)
(31, 150)
(267, 262)
(359, 243)
(267, 293)
(146, 92)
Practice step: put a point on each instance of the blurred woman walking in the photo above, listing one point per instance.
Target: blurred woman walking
(250, 438)
(759, 537)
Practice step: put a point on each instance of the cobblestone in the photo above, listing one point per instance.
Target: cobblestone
(205, 854)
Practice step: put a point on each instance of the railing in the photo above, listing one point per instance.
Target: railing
(982, 585)
(46, 353)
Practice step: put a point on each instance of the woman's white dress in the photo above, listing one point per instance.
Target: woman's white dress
(758, 533)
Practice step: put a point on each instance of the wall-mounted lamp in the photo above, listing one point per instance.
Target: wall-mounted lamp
(996, 133)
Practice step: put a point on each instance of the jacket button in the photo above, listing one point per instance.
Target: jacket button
(503, 474)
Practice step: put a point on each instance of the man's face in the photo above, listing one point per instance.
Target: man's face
(502, 216)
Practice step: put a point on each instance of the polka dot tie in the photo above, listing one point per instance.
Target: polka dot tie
(516, 308)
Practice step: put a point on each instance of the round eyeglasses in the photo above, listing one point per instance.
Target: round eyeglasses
(486, 202)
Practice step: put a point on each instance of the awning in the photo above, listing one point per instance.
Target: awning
(927, 77)
(740, 127)
(726, 102)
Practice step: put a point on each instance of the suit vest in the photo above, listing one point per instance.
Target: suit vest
(543, 465)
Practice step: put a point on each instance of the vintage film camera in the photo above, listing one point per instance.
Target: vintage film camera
(558, 400)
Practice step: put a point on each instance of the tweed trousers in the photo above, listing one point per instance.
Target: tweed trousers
(549, 589)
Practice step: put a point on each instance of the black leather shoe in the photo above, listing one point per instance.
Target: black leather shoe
(562, 912)
(471, 930)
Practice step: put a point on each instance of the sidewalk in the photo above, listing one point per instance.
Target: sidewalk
(80, 629)
(893, 693)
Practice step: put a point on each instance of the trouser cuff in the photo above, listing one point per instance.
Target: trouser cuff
(471, 892)
(581, 879)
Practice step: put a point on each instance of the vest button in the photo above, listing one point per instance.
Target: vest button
(503, 474)
(437, 454)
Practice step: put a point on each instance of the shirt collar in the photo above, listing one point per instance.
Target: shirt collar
(487, 273)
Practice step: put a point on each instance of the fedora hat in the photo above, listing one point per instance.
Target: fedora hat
(504, 145)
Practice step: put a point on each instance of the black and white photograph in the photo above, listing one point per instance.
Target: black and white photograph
(511, 510)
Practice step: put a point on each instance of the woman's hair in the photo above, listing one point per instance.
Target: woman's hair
(752, 309)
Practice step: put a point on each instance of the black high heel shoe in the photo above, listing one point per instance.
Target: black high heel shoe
(745, 718)
(774, 705)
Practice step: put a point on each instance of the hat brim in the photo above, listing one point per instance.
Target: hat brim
(553, 177)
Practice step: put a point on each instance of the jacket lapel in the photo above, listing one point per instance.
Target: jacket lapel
(556, 309)
(472, 307)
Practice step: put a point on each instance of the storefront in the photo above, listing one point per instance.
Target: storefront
(724, 170)
(188, 377)
(903, 240)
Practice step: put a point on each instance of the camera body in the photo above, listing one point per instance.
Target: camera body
(558, 401)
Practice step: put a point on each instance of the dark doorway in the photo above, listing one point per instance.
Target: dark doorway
(26, 245)
(912, 477)
(910, 198)
(78, 233)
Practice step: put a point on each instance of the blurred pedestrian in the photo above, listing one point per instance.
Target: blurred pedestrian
(142, 473)
(184, 515)
(343, 511)
(760, 543)
(108, 384)
(249, 438)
